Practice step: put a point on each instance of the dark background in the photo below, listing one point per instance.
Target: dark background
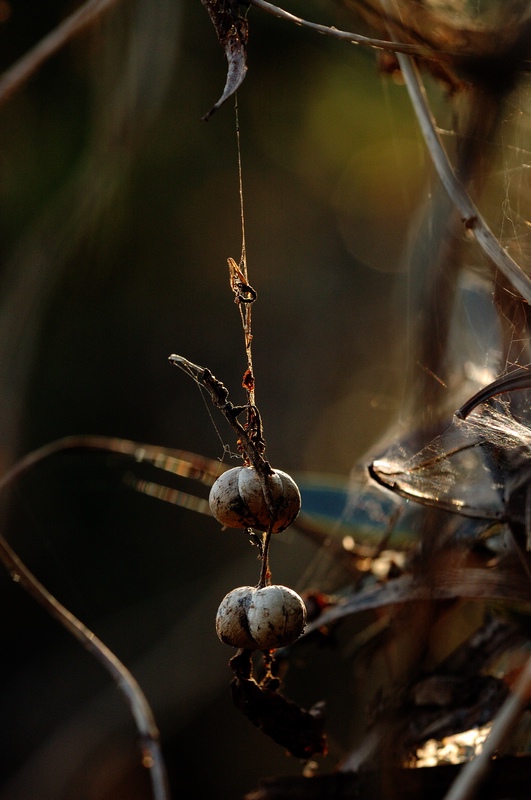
(118, 210)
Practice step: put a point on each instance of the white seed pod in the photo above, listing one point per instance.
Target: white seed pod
(276, 617)
(237, 500)
(231, 619)
(260, 619)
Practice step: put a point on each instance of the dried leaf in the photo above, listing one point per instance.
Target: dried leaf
(301, 732)
(509, 777)
(298, 730)
(232, 31)
(443, 705)
(508, 585)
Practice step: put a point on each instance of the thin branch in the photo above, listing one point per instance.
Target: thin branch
(17, 75)
(420, 50)
(124, 680)
(353, 38)
(265, 572)
(471, 775)
(472, 218)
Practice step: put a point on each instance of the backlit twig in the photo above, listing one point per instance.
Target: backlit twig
(353, 38)
(472, 218)
(16, 75)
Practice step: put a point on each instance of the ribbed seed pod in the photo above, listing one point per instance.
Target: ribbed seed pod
(237, 500)
(260, 619)
(231, 619)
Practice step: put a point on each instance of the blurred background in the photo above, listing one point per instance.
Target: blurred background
(118, 210)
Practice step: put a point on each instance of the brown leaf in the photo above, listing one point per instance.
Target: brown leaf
(298, 730)
(508, 585)
(301, 732)
(232, 31)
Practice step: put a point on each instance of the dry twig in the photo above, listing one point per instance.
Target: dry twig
(81, 19)
(472, 218)
(348, 36)
(250, 441)
(124, 680)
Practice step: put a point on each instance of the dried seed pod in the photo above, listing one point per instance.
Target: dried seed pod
(231, 619)
(237, 499)
(261, 619)
(276, 616)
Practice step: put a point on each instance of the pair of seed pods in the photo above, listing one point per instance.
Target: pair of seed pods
(257, 618)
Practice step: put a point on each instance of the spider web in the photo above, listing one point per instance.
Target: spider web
(466, 471)
(487, 334)
(427, 456)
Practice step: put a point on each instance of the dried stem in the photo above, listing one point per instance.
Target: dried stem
(245, 295)
(472, 218)
(471, 775)
(220, 397)
(124, 680)
(265, 573)
(81, 19)
(353, 38)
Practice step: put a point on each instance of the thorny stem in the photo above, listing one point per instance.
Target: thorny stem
(124, 680)
(472, 218)
(17, 75)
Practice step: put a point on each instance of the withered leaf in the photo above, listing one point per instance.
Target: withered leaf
(232, 31)
(443, 705)
(298, 730)
(508, 777)
(301, 732)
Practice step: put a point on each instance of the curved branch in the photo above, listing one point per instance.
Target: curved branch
(472, 218)
(124, 680)
(353, 38)
(20, 72)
